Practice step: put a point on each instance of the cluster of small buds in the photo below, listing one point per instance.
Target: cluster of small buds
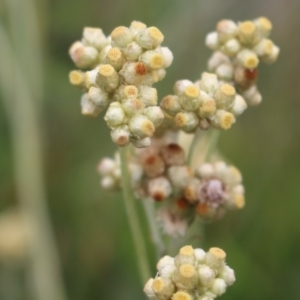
(165, 173)
(123, 68)
(110, 172)
(206, 103)
(192, 275)
(215, 188)
(239, 47)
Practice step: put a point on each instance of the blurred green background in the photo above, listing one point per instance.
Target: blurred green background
(91, 231)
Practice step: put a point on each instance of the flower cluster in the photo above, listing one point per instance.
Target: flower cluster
(160, 173)
(123, 68)
(206, 103)
(239, 47)
(192, 274)
(216, 188)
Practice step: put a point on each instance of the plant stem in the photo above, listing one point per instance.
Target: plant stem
(212, 144)
(155, 232)
(193, 146)
(133, 219)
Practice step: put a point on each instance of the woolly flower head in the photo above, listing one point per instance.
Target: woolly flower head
(205, 103)
(239, 47)
(192, 274)
(121, 70)
(248, 42)
(216, 188)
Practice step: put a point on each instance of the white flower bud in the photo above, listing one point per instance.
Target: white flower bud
(167, 271)
(200, 255)
(120, 135)
(108, 183)
(218, 287)
(155, 115)
(212, 40)
(252, 95)
(173, 155)
(163, 288)
(239, 189)
(148, 95)
(98, 97)
(224, 96)
(189, 99)
(83, 56)
(180, 86)
(88, 108)
(121, 37)
(133, 51)
(106, 166)
(248, 59)
(107, 78)
(126, 92)
(264, 26)
(185, 277)
(215, 258)
(226, 30)
(247, 33)
(137, 26)
(141, 127)
(115, 58)
(207, 106)
(153, 165)
(133, 73)
(223, 119)
(231, 47)
(115, 115)
(217, 59)
(132, 106)
(166, 260)
(208, 83)
(77, 78)
(160, 74)
(180, 176)
(227, 274)
(90, 78)
(170, 104)
(206, 275)
(94, 37)
(225, 71)
(264, 48)
(148, 289)
(185, 256)
(239, 105)
(167, 55)
(149, 38)
(182, 295)
(206, 170)
(141, 143)
(186, 121)
(159, 188)
(273, 56)
(190, 192)
(103, 54)
(152, 59)
(221, 169)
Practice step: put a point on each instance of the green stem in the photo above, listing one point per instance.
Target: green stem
(133, 219)
(155, 232)
(193, 146)
(212, 144)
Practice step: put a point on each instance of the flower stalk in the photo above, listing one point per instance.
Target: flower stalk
(133, 219)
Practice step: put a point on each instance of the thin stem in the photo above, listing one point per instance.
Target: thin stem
(193, 146)
(212, 144)
(133, 219)
(155, 232)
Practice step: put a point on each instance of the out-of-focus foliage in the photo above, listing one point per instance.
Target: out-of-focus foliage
(92, 233)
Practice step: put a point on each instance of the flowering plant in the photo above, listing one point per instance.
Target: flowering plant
(167, 152)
